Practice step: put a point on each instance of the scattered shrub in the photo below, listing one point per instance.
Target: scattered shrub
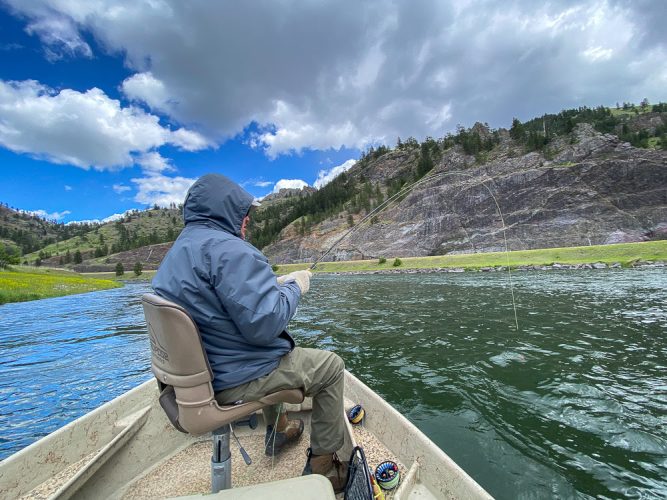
(397, 262)
(382, 260)
(275, 268)
(138, 268)
(120, 270)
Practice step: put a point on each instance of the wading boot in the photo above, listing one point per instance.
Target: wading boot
(330, 466)
(288, 431)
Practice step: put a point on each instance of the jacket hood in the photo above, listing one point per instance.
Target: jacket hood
(217, 199)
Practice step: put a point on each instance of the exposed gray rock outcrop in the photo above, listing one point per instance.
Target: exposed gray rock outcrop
(594, 191)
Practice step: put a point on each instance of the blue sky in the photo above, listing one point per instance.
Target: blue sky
(108, 106)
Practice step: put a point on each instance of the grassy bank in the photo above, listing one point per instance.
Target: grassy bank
(20, 284)
(624, 253)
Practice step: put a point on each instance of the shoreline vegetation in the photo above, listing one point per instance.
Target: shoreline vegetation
(22, 283)
(588, 257)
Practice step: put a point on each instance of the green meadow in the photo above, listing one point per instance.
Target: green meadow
(20, 284)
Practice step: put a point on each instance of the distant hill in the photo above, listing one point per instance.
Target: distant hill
(97, 245)
(30, 232)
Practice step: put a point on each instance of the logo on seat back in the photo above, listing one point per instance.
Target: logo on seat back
(158, 349)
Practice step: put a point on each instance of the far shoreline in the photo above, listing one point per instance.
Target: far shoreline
(621, 255)
(459, 270)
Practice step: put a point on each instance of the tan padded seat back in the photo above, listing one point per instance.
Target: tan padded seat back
(178, 356)
(179, 360)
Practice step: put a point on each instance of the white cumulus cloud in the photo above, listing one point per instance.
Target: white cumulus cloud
(121, 188)
(146, 88)
(154, 162)
(85, 129)
(162, 190)
(289, 184)
(324, 177)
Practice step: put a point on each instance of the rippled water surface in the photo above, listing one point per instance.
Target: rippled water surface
(573, 404)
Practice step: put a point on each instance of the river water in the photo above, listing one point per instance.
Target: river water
(574, 404)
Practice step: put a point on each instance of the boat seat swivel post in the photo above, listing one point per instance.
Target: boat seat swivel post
(221, 461)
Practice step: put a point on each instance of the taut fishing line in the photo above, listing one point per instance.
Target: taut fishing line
(404, 191)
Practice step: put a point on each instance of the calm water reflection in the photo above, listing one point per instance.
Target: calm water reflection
(574, 404)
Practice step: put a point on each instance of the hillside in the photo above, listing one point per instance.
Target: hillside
(136, 229)
(595, 177)
(22, 231)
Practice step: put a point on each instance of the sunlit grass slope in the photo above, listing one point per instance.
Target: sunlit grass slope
(19, 284)
(623, 253)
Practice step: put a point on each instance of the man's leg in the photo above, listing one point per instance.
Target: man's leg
(321, 376)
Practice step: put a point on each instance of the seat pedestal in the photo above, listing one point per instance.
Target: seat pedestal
(221, 461)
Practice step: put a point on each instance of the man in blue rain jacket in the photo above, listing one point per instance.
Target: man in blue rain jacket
(242, 312)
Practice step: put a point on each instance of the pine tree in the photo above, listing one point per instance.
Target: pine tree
(517, 131)
(138, 268)
(120, 270)
(77, 257)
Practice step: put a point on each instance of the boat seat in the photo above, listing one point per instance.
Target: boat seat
(184, 375)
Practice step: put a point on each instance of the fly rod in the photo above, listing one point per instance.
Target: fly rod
(405, 190)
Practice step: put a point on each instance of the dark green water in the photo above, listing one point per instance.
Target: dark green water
(572, 405)
(575, 403)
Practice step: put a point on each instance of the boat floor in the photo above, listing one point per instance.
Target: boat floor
(188, 471)
(127, 449)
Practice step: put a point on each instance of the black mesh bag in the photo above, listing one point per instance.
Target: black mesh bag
(358, 486)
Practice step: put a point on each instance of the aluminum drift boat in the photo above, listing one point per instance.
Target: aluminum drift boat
(127, 448)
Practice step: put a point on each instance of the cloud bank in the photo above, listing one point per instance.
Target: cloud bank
(340, 73)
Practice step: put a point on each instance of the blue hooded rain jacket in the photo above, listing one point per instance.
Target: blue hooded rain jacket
(227, 285)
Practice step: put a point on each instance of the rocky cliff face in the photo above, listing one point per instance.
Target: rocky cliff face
(591, 188)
